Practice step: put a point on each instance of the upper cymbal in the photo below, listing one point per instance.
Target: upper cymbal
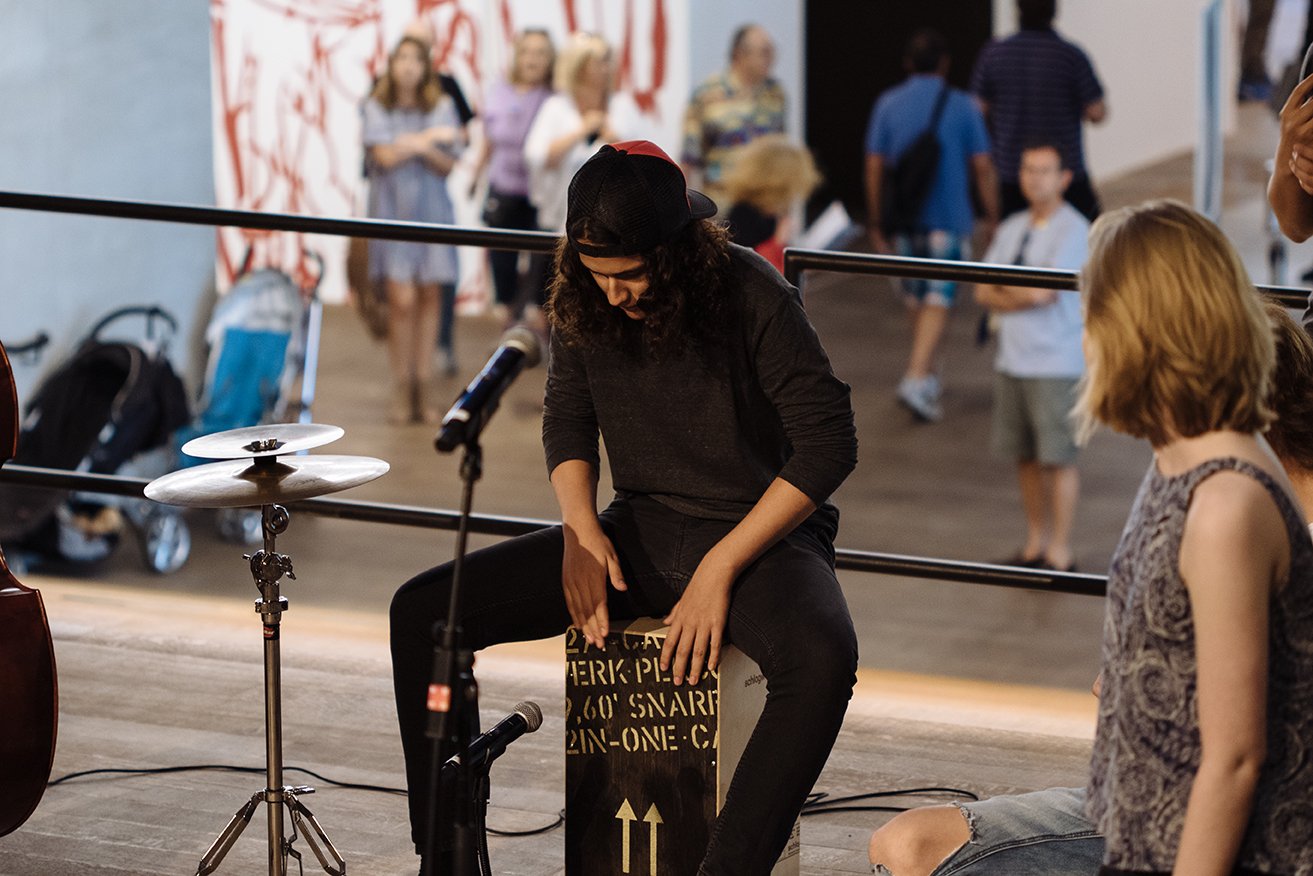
(267, 440)
(238, 483)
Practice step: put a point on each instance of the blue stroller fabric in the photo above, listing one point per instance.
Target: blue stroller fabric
(245, 383)
(257, 339)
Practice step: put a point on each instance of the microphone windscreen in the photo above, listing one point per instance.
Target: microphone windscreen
(533, 716)
(525, 340)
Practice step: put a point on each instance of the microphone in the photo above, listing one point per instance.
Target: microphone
(519, 349)
(526, 718)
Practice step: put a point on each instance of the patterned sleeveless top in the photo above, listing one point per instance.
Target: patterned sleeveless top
(1147, 748)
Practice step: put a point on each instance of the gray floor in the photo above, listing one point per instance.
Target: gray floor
(151, 679)
(931, 490)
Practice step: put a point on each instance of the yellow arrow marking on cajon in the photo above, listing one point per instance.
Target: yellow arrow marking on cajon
(653, 817)
(626, 814)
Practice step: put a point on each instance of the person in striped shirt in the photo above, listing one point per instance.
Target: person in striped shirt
(1035, 86)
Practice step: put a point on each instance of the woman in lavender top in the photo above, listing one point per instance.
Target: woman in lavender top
(508, 111)
(412, 138)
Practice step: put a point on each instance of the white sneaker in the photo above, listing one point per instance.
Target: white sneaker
(921, 396)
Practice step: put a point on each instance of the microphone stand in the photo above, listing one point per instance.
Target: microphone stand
(452, 694)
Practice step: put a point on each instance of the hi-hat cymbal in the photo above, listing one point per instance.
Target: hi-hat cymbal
(267, 440)
(238, 483)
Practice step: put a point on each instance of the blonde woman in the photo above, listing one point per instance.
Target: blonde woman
(412, 137)
(1200, 761)
(584, 114)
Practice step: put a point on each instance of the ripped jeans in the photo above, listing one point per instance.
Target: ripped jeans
(1044, 833)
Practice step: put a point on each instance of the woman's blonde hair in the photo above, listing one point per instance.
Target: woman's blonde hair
(517, 48)
(771, 173)
(430, 89)
(1177, 342)
(581, 48)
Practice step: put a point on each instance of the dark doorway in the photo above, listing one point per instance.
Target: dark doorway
(854, 51)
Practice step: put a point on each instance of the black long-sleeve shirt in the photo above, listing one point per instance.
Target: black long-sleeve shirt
(706, 434)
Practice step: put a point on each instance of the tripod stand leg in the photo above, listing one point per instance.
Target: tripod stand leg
(301, 816)
(214, 854)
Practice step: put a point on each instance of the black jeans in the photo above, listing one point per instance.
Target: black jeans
(786, 612)
(503, 210)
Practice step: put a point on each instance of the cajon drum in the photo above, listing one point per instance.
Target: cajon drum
(647, 764)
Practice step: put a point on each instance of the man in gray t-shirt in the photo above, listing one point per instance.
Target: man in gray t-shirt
(1039, 358)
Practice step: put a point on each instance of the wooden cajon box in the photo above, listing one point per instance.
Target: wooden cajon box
(647, 764)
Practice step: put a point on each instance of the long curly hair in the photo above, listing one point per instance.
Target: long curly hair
(688, 306)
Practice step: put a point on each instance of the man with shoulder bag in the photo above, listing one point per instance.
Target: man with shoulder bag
(926, 146)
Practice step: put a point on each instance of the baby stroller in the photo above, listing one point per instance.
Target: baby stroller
(263, 341)
(103, 411)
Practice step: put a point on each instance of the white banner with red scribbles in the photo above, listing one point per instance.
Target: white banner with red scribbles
(288, 77)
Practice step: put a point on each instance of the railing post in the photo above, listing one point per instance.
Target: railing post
(1208, 149)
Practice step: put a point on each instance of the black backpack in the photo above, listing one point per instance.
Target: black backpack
(907, 181)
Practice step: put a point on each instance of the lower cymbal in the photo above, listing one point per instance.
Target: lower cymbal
(266, 440)
(238, 483)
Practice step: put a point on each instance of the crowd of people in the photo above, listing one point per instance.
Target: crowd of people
(657, 322)
(1006, 168)
(540, 122)
(1031, 88)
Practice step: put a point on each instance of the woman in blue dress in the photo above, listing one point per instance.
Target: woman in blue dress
(412, 138)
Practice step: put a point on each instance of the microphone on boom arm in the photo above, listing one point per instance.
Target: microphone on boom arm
(519, 349)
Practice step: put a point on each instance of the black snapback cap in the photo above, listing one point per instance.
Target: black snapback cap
(634, 191)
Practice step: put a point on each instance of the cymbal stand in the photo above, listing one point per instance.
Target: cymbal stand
(267, 568)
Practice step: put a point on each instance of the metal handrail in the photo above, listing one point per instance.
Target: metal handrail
(418, 232)
(489, 524)
(796, 261)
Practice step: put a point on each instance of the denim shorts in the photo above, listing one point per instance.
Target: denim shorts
(1032, 419)
(1044, 832)
(930, 245)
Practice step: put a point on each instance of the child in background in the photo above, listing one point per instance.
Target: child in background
(768, 176)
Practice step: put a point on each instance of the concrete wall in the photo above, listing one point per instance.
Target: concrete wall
(1148, 56)
(108, 100)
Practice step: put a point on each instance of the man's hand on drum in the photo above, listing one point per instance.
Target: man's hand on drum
(697, 622)
(590, 559)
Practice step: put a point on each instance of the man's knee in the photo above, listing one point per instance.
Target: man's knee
(915, 842)
(823, 662)
(413, 603)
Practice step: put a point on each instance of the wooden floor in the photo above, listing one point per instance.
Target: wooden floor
(151, 679)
